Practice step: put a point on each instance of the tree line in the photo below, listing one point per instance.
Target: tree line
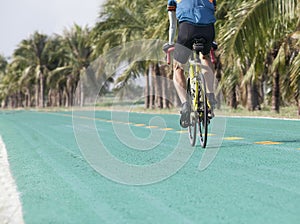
(258, 61)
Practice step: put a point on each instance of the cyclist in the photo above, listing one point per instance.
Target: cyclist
(196, 20)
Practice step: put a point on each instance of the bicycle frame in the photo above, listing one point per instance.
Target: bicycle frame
(194, 69)
(196, 95)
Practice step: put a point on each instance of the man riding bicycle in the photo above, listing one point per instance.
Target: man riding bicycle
(196, 20)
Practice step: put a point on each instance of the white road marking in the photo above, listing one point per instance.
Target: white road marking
(10, 204)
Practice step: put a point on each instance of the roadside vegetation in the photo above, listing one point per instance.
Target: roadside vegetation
(258, 61)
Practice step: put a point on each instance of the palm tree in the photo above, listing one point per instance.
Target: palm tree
(291, 49)
(34, 54)
(3, 66)
(120, 22)
(77, 52)
(134, 21)
(251, 30)
(295, 79)
(10, 89)
(56, 79)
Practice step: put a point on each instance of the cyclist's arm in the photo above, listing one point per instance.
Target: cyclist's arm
(172, 27)
(215, 4)
(172, 20)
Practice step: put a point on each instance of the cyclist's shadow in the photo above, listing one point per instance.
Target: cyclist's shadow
(216, 133)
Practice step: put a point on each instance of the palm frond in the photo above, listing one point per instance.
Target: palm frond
(252, 24)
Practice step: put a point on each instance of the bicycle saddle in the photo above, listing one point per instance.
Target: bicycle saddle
(198, 44)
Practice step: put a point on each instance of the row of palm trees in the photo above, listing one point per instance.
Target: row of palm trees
(260, 42)
(258, 61)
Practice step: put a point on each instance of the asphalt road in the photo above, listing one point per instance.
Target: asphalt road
(141, 169)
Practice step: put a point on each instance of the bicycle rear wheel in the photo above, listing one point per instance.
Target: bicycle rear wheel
(203, 112)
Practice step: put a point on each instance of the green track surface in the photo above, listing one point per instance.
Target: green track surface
(255, 177)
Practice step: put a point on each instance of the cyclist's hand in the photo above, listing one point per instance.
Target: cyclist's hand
(215, 45)
(166, 46)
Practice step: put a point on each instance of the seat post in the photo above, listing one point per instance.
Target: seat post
(197, 56)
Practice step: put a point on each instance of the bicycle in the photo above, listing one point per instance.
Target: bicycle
(196, 94)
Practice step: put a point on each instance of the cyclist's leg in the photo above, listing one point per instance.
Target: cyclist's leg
(181, 55)
(209, 75)
(208, 72)
(180, 81)
(180, 86)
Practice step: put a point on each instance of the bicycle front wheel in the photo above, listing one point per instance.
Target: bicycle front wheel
(193, 127)
(203, 112)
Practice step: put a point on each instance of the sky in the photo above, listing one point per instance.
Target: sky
(21, 18)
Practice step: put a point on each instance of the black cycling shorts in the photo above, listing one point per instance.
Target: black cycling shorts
(186, 34)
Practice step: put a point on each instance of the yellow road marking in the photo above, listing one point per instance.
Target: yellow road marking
(152, 127)
(99, 119)
(233, 138)
(268, 143)
(139, 125)
(167, 129)
(181, 132)
(116, 122)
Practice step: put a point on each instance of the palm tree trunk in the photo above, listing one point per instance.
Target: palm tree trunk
(69, 91)
(81, 94)
(42, 91)
(151, 87)
(26, 101)
(218, 75)
(276, 92)
(37, 94)
(20, 99)
(49, 100)
(252, 97)
(164, 85)
(4, 103)
(27, 97)
(249, 97)
(298, 107)
(233, 98)
(255, 95)
(157, 86)
(66, 98)
(60, 97)
(147, 89)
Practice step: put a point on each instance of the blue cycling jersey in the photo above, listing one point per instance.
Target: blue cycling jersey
(198, 12)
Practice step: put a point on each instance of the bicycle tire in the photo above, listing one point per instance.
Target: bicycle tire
(203, 112)
(192, 128)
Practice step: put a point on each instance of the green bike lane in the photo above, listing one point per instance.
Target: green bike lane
(255, 177)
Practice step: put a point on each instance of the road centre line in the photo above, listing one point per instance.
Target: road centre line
(230, 138)
(233, 138)
(267, 143)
